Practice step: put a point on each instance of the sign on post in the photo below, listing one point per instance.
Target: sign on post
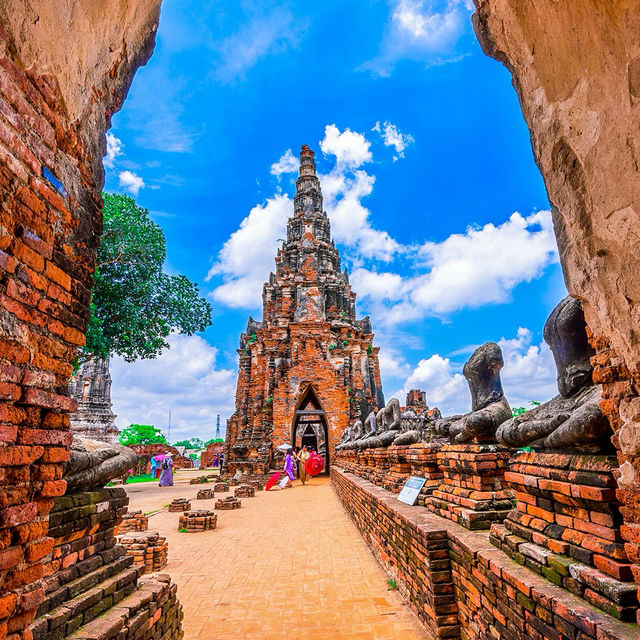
(411, 490)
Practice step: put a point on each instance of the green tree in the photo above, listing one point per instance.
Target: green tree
(518, 411)
(141, 434)
(213, 441)
(191, 443)
(134, 304)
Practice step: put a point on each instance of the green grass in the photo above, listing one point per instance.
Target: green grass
(391, 584)
(143, 477)
(182, 530)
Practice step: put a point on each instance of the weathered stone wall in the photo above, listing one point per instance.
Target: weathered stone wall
(207, 457)
(458, 583)
(64, 69)
(147, 451)
(576, 69)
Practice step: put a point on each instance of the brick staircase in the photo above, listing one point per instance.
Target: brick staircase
(94, 591)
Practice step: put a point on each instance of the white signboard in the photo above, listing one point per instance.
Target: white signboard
(411, 489)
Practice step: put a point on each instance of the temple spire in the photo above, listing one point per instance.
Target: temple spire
(308, 198)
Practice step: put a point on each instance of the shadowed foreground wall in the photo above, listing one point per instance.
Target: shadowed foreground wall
(576, 69)
(65, 68)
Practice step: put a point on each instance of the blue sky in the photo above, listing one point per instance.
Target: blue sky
(436, 204)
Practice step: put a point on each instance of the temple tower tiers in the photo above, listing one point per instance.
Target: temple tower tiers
(309, 368)
(91, 389)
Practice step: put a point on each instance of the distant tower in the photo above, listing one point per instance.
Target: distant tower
(218, 427)
(91, 388)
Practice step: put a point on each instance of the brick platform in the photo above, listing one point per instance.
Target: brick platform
(180, 504)
(199, 520)
(245, 491)
(205, 494)
(472, 492)
(258, 485)
(221, 487)
(133, 521)
(458, 583)
(228, 503)
(199, 480)
(566, 526)
(147, 548)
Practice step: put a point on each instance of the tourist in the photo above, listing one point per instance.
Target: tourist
(154, 466)
(288, 465)
(303, 456)
(294, 461)
(216, 461)
(166, 475)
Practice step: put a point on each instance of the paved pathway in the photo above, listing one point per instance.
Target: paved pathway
(287, 563)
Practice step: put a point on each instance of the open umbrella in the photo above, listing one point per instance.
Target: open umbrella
(284, 447)
(159, 457)
(272, 480)
(314, 465)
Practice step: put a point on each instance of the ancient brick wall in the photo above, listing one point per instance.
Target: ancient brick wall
(458, 583)
(53, 117)
(207, 457)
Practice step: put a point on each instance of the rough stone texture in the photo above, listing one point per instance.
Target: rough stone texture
(64, 70)
(133, 521)
(91, 389)
(180, 504)
(147, 548)
(576, 69)
(199, 520)
(309, 353)
(458, 583)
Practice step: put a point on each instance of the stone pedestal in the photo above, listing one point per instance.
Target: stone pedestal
(228, 503)
(245, 491)
(205, 494)
(221, 487)
(133, 521)
(180, 504)
(198, 520)
(472, 492)
(199, 480)
(566, 527)
(147, 548)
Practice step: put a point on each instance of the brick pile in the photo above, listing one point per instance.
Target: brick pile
(199, 480)
(147, 548)
(133, 521)
(458, 583)
(197, 520)
(566, 527)
(472, 492)
(258, 485)
(180, 504)
(221, 487)
(91, 575)
(228, 503)
(245, 491)
(205, 494)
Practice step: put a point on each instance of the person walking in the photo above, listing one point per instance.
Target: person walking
(166, 475)
(288, 470)
(154, 466)
(303, 456)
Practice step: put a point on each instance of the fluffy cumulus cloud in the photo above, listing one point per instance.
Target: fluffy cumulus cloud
(528, 375)
(246, 258)
(114, 149)
(287, 163)
(351, 149)
(422, 30)
(185, 380)
(393, 137)
(130, 182)
(466, 270)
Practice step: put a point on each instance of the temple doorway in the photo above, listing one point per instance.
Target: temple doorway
(310, 426)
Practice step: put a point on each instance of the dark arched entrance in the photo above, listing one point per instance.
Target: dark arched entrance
(310, 425)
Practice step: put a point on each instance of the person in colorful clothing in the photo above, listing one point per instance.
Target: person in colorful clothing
(166, 475)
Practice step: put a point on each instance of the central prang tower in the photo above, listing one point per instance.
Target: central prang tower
(309, 369)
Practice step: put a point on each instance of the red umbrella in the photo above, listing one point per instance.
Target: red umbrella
(272, 480)
(314, 465)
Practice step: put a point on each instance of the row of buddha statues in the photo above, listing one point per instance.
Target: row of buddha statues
(572, 420)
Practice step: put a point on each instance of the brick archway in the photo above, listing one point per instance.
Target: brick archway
(309, 412)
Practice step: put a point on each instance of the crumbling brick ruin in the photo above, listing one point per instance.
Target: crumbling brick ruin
(309, 368)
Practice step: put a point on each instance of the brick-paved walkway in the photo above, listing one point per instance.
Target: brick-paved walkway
(288, 562)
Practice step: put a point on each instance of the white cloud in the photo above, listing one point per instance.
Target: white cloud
(529, 374)
(247, 257)
(393, 137)
(184, 379)
(478, 267)
(350, 148)
(114, 149)
(261, 36)
(422, 30)
(287, 163)
(131, 182)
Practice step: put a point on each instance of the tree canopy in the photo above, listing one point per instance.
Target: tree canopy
(213, 441)
(191, 443)
(135, 305)
(141, 434)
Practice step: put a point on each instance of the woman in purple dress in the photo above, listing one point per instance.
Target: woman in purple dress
(166, 476)
(288, 465)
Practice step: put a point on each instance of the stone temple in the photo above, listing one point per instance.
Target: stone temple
(91, 389)
(309, 368)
